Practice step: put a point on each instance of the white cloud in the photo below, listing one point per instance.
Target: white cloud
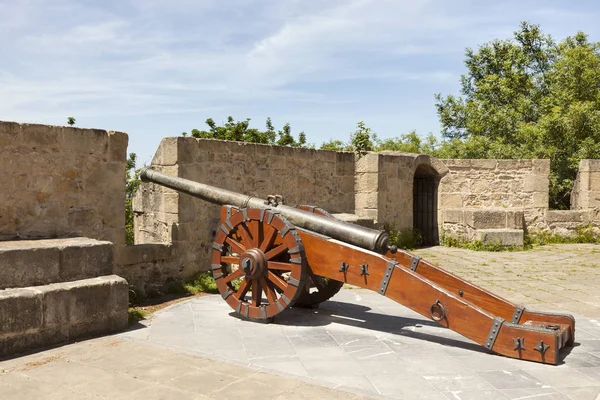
(143, 57)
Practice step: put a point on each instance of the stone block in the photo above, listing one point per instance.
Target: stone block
(457, 164)
(46, 315)
(564, 216)
(504, 237)
(365, 200)
(505, 165)
(354, 219)
(84, 258)
(141, 253)
(84, 141)
(453, 216)
(368, 163)
(541, 167)
(486, 219)
(20, 310)
(594, 182)
(167, 152)
(40, 136)
(366, 182)
(450, 200)
(368, 213)
(515, 219)
(540, 199)
(484, 164)
(28, 263)
(535, 183)
(117, 146)
(589, 165)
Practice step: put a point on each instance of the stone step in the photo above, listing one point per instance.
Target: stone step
(355, 219)
(26, 263)
(503, 237)
(41, 316)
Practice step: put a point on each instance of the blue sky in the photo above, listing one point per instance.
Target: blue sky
(155, 68)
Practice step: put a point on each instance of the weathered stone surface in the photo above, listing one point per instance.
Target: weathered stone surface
(20, 310)
(46, 315)
(535, 183)
(453, 215)
(39, 262)
(86, 259)
(22, 263)
(581, 216)
(354, 219)
(504, 237)
(55, 178)
(487, 218)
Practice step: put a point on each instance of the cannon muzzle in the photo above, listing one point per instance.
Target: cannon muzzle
(361, 236)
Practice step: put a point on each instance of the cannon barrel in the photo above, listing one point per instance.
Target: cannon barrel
(357, 235)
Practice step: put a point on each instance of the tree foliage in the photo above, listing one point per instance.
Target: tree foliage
(71, 121)
(528, 97)
(361, 141)
(242, 132)
(132, 179)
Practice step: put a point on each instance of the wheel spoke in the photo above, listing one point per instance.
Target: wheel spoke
(276, 251)
(242, 290)
(267, 287)
(230, 259)
(256, 293)
(238, 273)
(280, 266)
(268, 239)
(280, 283)
(255, 233)
(239, 248)
(246, 239)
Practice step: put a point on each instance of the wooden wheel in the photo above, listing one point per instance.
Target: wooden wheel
(317, 289)
(258, 262)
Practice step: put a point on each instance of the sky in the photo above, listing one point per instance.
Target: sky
(156, 68)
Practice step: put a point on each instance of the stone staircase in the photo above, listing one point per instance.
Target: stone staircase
(57, 290)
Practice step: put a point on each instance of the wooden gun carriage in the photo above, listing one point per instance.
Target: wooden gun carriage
(268, 256)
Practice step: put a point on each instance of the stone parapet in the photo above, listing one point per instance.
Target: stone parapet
(39, 262)
(41, 316)
(62, 182)
(149, 268)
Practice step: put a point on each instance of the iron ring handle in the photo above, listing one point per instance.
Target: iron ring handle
(442, 311)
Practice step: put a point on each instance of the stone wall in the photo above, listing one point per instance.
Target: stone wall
(516, 185)
(586, 190)
(302, 176)
(61, 182)
(384, 186)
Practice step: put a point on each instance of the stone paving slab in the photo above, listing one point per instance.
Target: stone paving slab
(121, 369)
(359, 345)
(368, 345)
(564, 278)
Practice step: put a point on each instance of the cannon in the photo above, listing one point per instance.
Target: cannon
(268, 256)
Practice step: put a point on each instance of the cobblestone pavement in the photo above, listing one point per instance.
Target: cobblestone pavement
(556, 277)
(357, 345)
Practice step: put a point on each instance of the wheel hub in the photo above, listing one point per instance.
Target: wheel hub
(254, 263)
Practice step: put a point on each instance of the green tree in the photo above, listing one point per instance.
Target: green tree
(528, 97)
(361, 141)
(132, 179)
(71, 121)
(242, 132)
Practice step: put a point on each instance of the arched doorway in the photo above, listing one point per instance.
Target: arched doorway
(425, 193)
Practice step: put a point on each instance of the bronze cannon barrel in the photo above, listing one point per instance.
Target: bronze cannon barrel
(357, 235)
